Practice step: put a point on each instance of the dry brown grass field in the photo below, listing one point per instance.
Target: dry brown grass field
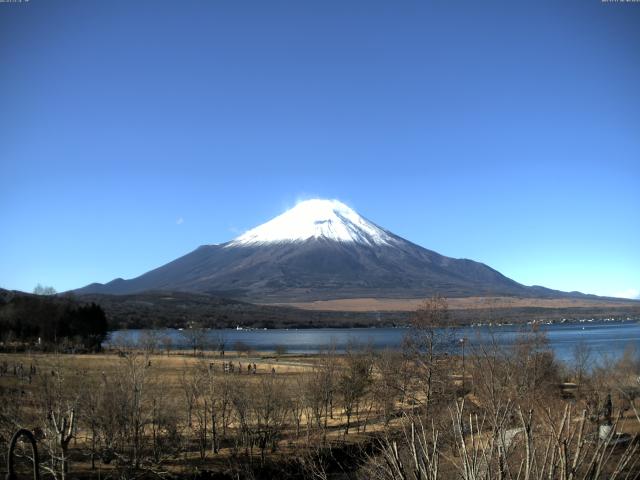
(287, 415)
(169, 373)
(465, 303)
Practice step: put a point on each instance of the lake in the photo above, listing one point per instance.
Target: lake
(606, 339)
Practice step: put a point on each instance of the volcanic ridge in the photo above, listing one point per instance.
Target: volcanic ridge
(322, 250)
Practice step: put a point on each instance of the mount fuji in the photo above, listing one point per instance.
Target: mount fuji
(321, 250)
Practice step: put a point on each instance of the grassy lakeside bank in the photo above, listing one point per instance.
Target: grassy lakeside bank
(174, 414)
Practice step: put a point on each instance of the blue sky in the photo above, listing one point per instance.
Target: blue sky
(506, 132)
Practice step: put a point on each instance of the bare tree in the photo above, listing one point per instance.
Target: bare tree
(269, 407)
(556, 447)
(167, 343)
(201, 407)
(320, 390)
(354, 380)
(91, 393)
(149, 341)
(582, 360)
(133, 384)
(241, 398)
(163, 425)
(390, 383)
(280, 350)
(536, 373)
(297, 401)
(195, 338)
(427, 341)
(219, 343)
(59, 406)
(44, 290)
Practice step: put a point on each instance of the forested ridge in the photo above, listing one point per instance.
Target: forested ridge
(47, 320)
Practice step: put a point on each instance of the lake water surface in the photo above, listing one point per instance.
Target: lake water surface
(605, 339)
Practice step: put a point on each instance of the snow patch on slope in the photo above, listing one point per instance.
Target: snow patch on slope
(317, 218)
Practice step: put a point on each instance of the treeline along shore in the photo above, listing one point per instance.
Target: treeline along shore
(50, 321)
(82, 322)
(182, 310)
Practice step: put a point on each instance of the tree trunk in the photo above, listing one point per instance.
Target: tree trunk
(214, 434)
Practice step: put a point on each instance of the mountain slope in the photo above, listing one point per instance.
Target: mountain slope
(321, 249)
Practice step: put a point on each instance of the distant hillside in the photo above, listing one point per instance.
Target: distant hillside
(180, 309)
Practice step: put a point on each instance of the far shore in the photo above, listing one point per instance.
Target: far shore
(455, 303)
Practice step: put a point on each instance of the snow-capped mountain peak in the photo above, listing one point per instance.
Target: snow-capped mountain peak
(316, 218)
(320, 250)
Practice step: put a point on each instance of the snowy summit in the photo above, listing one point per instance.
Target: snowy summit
(317, 218)
(322, 250)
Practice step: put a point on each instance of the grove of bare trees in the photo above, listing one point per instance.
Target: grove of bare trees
(414, 413)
